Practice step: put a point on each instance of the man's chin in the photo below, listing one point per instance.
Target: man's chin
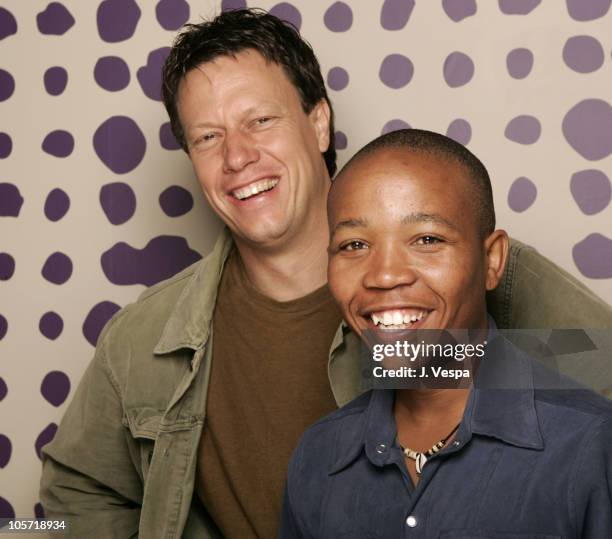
(264, 236)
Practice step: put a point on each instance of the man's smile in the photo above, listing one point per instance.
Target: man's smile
(255, 188)
(397, 318)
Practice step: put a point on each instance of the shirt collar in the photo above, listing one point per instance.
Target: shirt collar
(190, 321)
(501, 405)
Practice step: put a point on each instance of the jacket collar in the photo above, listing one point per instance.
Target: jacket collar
(190, 322)
(501, 406)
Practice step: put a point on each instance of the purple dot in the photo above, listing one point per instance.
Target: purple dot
(288, 13)
(3, 330)
(57, 268)
(587, 127)
(6, 509)
(8, 24)
(591, 190)
(120, 144)
(3, 387)
(395, 14)
(583, 54)
(338, 17)
(394, 125)
(58, 143)
(172, 14)
(96, 319)
(117, 20)
(587, 10)
(337, 78)
(161, 258)
(396, 71)
(51, 325)
(593, 256)
(522, 194)
(6, 145)
(340, 140)
(518, 7)
(55, 387)
(118, 202)
(7, 266)
(149, 75)
(458, 69)
(175, 201)
(54, 20)
(39, 512)
(112, 73)
(460, 130)
(55, 80)
(519, 63)
(5, 450)
(167, 139)
(523, 129)
(56, 205)
(10, 200)
(44, 438)
(457, 10)
(229, 5)
(7, 85)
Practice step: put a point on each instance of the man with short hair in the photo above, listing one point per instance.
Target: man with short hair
(169, 434)
(518, 451)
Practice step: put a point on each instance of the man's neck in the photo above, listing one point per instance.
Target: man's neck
(288, 273)
(430, 408)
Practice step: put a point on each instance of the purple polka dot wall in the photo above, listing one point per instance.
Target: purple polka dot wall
(98, 201)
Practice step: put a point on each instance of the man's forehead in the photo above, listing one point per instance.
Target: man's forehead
(369, 175)
(396, 163)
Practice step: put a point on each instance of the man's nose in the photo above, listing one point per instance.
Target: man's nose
(389, 267)
(240, 150)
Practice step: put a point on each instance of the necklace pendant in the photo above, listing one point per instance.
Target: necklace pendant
(420, 462)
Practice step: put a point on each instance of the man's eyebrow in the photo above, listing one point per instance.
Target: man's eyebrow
(420, 217)
(350, 223)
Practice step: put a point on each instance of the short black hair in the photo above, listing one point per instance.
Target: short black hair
(238, 30)
(429, 142)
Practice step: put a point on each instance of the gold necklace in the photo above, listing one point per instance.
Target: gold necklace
(421, 458)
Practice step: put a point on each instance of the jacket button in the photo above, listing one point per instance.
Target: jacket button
(381, 448)
(411, 522)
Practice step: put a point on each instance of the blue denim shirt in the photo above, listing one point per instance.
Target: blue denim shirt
(526, 463)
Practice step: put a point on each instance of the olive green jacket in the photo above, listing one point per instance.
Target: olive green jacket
(123, 461)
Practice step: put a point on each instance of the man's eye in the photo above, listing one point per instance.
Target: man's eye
(354, 245)
(263, 120)
(207, 137)
(428, 240)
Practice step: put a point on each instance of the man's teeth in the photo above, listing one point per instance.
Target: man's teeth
(254, 188)
(393, 319)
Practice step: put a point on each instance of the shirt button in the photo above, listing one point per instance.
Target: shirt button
(381, 448)
(411, 521)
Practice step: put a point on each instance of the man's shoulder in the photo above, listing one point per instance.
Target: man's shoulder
(147, 316)
(349, 413)
(333, 435)
(579, 402)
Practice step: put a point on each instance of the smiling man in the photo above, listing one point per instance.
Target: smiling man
(198, 392)
(413, 247)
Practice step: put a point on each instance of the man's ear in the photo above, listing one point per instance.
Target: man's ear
(319, 116)
(496, 247)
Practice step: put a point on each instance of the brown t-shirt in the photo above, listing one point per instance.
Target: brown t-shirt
(268, 383)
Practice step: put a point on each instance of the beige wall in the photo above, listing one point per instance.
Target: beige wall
(554, 223)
